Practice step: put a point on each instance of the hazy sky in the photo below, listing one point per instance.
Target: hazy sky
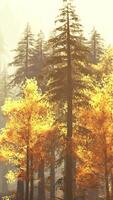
(14, 14)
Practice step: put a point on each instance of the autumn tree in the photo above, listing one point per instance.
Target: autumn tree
(28, 119)
(98, 120)
(5, 90)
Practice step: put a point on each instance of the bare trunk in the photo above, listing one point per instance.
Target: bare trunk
(107, 184)
(68, 180)
(20, 190)
(41, 185)
(52, 176)
(31, 179)
(111, 186)
(74, 178)
(106, 169)
(27, 175)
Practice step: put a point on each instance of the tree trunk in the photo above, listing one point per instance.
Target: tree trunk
(68, 179)
(94, 50)
(27, 175)
(31, 179)
(74, 178)
(107, 184)
(41, 184)
(52, 176)
(106, 169)
(20, 190)
(68, 188)
(111, 186)
(27, 160)
(4, 185)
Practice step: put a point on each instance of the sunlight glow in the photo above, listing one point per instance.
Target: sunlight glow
(41, 14)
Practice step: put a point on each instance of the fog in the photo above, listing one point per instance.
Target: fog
(14, 14)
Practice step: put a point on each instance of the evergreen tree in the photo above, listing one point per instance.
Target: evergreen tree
(23, 60)
(39, 59)
(68, 61)
(30, 58)
(96, 47)
(57, 85)
(38, 50)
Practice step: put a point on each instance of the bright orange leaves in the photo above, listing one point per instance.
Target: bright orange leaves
(95, 147)
(29, 120)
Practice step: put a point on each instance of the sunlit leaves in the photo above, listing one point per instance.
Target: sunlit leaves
(29, 118)
(95, 148)
(11, 176)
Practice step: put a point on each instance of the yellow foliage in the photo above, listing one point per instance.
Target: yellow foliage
(11, 176)
(28, 118)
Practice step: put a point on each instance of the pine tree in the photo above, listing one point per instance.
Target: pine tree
(67, 66)
(38, 50)
(39, 59)
(23, 60)
(57, 85)
(96, 47)
(30, 58)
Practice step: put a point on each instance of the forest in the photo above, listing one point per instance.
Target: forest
(56, 118)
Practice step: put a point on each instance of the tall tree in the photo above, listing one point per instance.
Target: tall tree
(67, 66)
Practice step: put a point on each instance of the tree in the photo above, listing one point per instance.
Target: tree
(67, 66)
(39, 60)
(23, 60)
(38, 51)
(5, 90)
(96, 47)
(28, 120)
(105, 66)
(98, 120)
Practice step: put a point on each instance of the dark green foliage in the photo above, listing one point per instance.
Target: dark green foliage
(68, 63)
(57, 85)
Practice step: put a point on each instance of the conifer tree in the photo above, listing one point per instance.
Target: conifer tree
(96, 47)
(68, 62)
(24, 57)
(38, 50)
(39, 59)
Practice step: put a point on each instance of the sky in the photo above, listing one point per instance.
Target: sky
(14, 14)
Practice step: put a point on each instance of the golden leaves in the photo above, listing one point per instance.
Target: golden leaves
(29, 118)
